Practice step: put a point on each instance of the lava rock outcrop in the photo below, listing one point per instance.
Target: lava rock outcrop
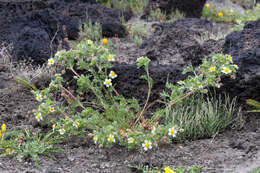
(190, 8)
(37, 29)
(175, 43)
(244, 47)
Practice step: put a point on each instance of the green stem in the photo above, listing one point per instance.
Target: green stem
(92, 89)
(147, 98)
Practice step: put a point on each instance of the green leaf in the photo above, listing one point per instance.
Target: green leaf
(25, 83)
(188, 69)
(253, 103)
(143, 61)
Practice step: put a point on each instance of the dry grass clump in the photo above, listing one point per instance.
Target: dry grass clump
(25, 72)
(31, 76)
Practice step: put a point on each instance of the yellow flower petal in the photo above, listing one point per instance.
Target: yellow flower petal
(220, 14)
(3, 128)
(104, 41)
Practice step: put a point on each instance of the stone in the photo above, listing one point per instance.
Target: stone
(244, 46)
(37, 30)
(190, 8)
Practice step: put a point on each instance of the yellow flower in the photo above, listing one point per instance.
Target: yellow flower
(147, 145)
(39, 97)
(168, 170)
(104, 41)
(207, 5)
(38, 117)
(231, 11)
(130, 140)
(95, 138)
(172, 132)
(75, 124)
(0, 135)
(111, 138)
(212, 69)
(90, 42)
(230, 58)
(107, 82)
(53, 126)
(111, 58)
(220, 14)
(226, 70)
(8, 150)
(51, 61)
(3, 128)
(51, 109)
(112, 75)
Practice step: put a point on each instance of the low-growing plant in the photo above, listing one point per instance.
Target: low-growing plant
(94, 105)
(90, 30)
(200, 117)
(250, 15)
(32, 76)
(220, 14)
(257, 170)
(137, 32)
(27, 145)
(167, 169)
(231, 16)
(205, 36)
(111, 117)
(174, 16)
(158, 15)
(137, 6)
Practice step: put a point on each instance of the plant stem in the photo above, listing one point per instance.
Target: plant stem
(175, 101)
(147, 98)
(66, 115)
(73, 97)
(92, 89)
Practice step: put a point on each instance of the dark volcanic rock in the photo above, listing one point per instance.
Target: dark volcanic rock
(171, 48)
(175, 43)
(244, 47)
(129, 84)
(37, 29)
(191, 8)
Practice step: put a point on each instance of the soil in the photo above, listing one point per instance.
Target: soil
(237, 151)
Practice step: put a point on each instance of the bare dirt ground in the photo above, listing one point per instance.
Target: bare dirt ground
(232, 151)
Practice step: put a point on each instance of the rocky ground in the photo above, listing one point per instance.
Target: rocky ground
(232, 151)
(171, 48)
